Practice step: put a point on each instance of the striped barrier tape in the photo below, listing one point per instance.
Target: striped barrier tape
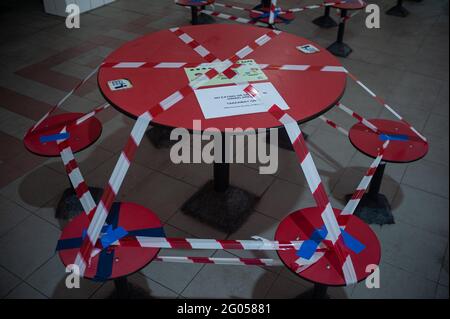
(312, 7)
(334, 125)
(233, 18)
(334, 234)
(352, 204)
(220, 261)
(127, 155)
(385, 105)
(76, 178)
(229, 6)
(57, 105)
(359, 118)
(273, 7)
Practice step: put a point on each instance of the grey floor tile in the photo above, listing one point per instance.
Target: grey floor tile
(428, 176)
(396, 283)
(7, 282)
(442, 292)
(422, 210)
(21, 252)
(11, 214)
(222, 281)
(50, 279)
(25, 291)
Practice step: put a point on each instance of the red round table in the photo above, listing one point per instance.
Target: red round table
(80, 137)
(404, 147)
(195, 5)
(114, 262)
(327, 271)
(308, 94)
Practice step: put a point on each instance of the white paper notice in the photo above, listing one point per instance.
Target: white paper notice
(232, 100)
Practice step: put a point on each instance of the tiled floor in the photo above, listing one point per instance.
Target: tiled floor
(406, 61)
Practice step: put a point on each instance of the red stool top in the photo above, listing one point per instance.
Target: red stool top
(80, 136)
(282, 18)
(349, 4)
(194, 3)
(114, 261)
(301, 224)
(405, 146)
(308, 94)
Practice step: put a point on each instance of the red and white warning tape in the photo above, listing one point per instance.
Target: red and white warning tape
(334, 125)
(76, 178)
(320, 196)
(233, 18)
(352, 204)
(312, 7)
(273, 7)
(358, 117)
(127, 155)
(229, 6)
(64, 98)
(384, 104)
(221, 261)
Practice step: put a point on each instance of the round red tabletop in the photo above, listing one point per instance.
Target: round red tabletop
(404, 148)
(114, 261)
(194, 3)
(80, 136)
(349, 4)
(308, 94)
(301, 224)
(282, 18)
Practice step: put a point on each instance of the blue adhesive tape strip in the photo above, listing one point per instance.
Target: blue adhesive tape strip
(54, 137)
(310, 246)
(392, 137)
(352, 243)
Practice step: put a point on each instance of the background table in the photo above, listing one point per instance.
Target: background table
(308, 94)
(195, 6)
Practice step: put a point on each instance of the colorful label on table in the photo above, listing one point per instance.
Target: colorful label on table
(120, 84)
(308, 49)
(250, 72)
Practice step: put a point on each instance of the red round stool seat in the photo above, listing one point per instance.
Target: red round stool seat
(405, 146)
(80, 136)
(193, 3)
(301, 224)
(349, 4)
(115, 261)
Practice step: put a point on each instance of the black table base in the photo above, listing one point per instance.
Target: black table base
(374, 208)
(398, 10)
(325, 21)
(319, 291)
(69, 205)
(126, 290)
(159, 136)
(224, 210)
(200, 18)
(339, 48)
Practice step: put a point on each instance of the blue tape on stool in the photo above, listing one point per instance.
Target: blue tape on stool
(54, 137)
(392, 137)
(352, 243)
(309, 247)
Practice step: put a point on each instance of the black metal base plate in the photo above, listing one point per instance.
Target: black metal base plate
(69, 205)
(204, 19)
(374, 209)
(340, 49)
(160, 137)
(132, 292)
(398, 11)
(312, 293)
(325, 22)
(225, 211)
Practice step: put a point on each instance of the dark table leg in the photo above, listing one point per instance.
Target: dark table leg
(219, 204)
(398, 10)
(200, 18)
(69, 205)
(339, 48)
(374, 207)
(325, 21)
(319, 291)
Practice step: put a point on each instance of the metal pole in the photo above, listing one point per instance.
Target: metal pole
(375, 185)
(222, 170)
